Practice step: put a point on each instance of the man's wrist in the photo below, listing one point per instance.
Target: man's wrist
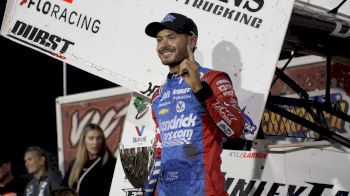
(204, 93)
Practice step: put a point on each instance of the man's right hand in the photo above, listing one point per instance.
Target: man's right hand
(189, 71)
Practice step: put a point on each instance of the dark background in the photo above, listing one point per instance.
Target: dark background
(30, 83)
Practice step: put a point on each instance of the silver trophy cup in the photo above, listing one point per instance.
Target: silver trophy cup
(136, 163)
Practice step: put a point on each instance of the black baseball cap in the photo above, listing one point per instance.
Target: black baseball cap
(173, 21)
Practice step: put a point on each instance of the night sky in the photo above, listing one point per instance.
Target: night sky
(30, 83)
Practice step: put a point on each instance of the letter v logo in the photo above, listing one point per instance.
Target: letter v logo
(138, 130)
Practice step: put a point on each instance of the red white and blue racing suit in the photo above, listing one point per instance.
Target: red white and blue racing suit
(190, 128)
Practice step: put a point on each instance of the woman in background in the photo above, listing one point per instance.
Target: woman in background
(91, 172)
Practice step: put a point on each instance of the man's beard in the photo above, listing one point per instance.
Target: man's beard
(178, 59)
(172, 64)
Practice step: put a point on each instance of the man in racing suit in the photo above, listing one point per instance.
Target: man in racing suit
(193, 110)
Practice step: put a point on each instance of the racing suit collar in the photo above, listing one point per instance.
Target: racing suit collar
(172, 76)
(176, 75)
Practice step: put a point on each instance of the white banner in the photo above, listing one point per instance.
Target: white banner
(310, 168)
(107, 39)
(139, 128)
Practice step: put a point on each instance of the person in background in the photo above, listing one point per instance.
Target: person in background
(91, 172)
(44, 180)
(10, 183)
(193, 110)
(64, 192)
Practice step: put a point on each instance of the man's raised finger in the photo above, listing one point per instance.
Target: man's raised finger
(190, 53)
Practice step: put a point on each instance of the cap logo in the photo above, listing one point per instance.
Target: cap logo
(168, 18)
